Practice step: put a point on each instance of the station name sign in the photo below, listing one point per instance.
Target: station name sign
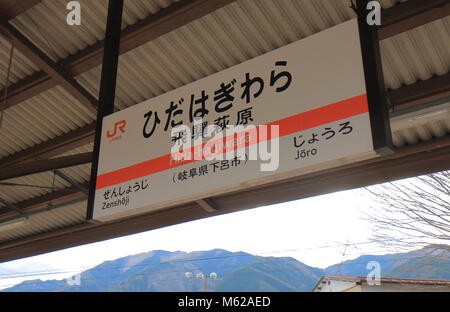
(292, 111)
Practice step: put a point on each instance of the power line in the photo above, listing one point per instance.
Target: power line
(250, 264)
(234, 255)
(229, 274)
(193, 259)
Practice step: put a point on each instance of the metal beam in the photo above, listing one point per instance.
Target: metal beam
(166, 20)
(54, 70)
(44, 202)
(13, 207)
(411, 14)
(27, 88)
(423, 92)
(50, 208)
(53, 147)
(13, 8)
(72, 182)
(407, 162)
(40, 166)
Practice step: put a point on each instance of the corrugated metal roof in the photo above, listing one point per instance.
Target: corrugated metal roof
(45, 24)
(41, 118)
(227, 37)
(15, 194)
(47, 221)
(423, 125)
(418, 54)
(247, 29)
(21, 67)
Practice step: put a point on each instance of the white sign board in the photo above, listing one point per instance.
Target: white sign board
(307, 105)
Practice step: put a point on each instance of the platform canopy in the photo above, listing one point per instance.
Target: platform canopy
(49, 101)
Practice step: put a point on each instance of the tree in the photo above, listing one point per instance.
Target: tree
(412, 213)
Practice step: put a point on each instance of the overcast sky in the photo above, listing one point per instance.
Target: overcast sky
(314, 231)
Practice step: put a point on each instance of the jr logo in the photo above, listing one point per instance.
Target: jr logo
(118, 126)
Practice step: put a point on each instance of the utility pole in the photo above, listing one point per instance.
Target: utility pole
(202, 276)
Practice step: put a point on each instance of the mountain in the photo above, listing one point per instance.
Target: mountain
(163, 271)
(430, 262)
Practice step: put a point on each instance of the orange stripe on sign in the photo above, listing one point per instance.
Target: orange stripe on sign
(303, 121)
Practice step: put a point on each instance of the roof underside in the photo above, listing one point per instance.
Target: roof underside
(167, 44)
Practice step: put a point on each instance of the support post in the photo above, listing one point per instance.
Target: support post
(376, 90)
(107, 87)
